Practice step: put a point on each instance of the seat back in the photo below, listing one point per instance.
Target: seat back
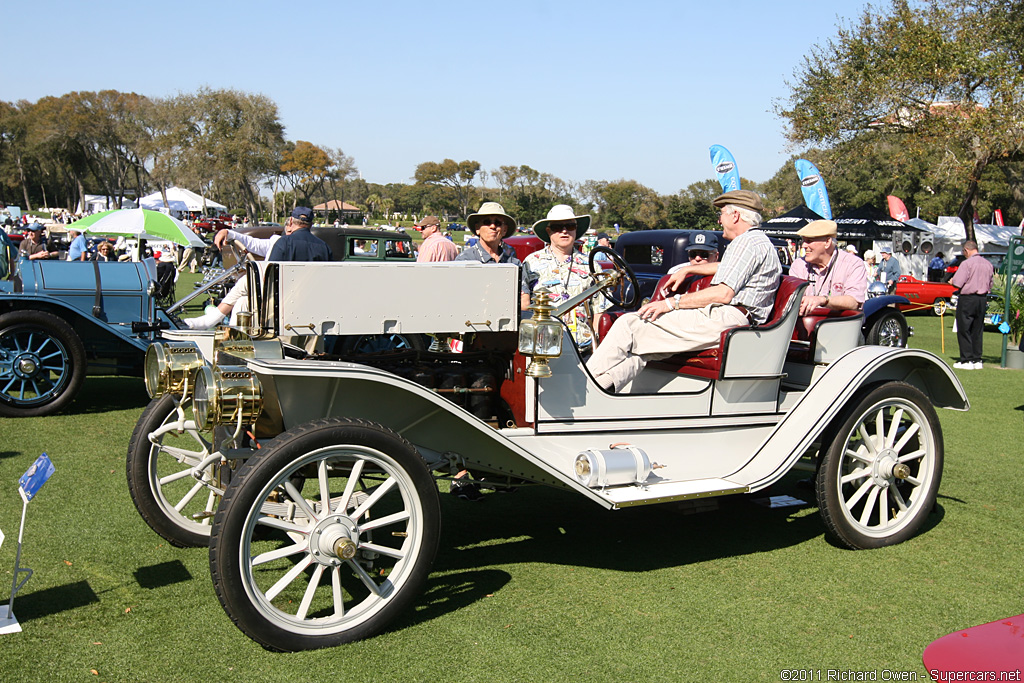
(692, 283)
(760, 352)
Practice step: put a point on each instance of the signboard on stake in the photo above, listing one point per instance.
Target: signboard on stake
(28, 486)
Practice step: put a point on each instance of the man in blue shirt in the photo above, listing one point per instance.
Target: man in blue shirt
(78, 250)
(298, 243)
(889, 269)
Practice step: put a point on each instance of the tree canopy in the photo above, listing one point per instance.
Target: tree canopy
(939, 79)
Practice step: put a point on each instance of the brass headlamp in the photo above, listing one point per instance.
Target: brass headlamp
(169, 365)
(224, 392)
(540, 336)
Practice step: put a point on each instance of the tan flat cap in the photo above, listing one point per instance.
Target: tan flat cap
(742, 198)
(818, 229)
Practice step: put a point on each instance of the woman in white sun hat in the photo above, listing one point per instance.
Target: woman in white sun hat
(562, 269)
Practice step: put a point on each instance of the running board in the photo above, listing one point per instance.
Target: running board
(667, 492)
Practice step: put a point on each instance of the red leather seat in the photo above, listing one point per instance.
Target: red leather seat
(708, 362)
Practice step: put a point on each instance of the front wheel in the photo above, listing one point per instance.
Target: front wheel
(161, 458)
(42, 363)
(325, 536)
(889, 329)
(879, 478)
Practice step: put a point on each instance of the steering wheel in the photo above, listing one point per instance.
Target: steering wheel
(626, 291)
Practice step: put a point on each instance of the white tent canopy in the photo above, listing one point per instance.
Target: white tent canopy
(988, 236)
(179, 199)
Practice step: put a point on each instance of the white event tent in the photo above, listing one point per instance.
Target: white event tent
(180, 200)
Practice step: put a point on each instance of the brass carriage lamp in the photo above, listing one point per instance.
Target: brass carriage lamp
(540, 337)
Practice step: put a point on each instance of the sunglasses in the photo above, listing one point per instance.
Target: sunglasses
(700, 254)
(564, 227)
(497, 222)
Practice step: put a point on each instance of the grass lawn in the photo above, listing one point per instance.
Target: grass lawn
(539, 585)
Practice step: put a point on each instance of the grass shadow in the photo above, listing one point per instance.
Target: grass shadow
(9, 454)
(545, 525)
(445, 594)
(54, 600)
(163, 574)
(103, 394)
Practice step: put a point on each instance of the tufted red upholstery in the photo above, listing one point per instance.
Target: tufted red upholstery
(708, 363)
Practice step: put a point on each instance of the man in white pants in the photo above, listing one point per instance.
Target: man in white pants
(236, 299)
(742, 292)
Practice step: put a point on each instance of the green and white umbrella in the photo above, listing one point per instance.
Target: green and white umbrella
(140, 223)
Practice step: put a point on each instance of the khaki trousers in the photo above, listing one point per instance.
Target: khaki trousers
(632, 342)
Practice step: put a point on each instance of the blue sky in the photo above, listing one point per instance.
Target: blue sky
(583, 90)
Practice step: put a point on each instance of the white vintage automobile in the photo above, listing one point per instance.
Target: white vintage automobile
(314, 479)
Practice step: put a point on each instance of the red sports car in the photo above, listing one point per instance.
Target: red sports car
(922, 294)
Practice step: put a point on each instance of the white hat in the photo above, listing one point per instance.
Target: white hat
(561, 212)
(851, 248)
(491, 209)
(869, 254)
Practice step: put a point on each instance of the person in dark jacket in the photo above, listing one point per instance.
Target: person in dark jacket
(298, 243)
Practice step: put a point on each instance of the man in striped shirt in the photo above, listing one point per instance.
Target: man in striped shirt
(742, 292)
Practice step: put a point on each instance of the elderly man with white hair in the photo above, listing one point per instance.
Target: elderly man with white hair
(838, 278)
(742, 291)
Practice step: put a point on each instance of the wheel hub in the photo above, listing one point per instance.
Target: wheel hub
(26, 365)
(334, 540)
(888, 467)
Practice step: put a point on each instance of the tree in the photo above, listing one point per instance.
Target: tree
(632, 205)
(307, 167)
(231, 138)
(940, 77)
(458, 176)
(528, 194)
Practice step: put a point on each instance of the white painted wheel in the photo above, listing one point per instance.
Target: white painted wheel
(160, 460)
(878, 480)
(325, 535)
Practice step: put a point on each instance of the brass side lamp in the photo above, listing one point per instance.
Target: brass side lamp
(540, 337)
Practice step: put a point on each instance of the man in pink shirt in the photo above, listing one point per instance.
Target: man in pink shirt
(974, 278)
(435, 247)
(838, 278)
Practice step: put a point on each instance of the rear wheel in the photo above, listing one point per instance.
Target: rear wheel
(939, 307)
(879, 478)
(42, 363)
(325, 536)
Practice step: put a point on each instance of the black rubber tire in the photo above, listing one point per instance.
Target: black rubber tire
(889, 329)
(57, 336)
(391, 469)
(940, 306)
(850, 508)
(144, 467)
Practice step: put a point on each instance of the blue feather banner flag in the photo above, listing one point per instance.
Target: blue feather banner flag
(725, 168)
(815, 194)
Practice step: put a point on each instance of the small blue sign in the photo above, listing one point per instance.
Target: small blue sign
(35, 477)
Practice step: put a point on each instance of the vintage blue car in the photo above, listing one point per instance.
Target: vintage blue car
(61, 321)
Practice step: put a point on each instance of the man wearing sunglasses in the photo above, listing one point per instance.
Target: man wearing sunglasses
(491, 225)
(838, 278)
(562, 270)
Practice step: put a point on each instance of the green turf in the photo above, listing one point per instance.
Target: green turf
(539, 585)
